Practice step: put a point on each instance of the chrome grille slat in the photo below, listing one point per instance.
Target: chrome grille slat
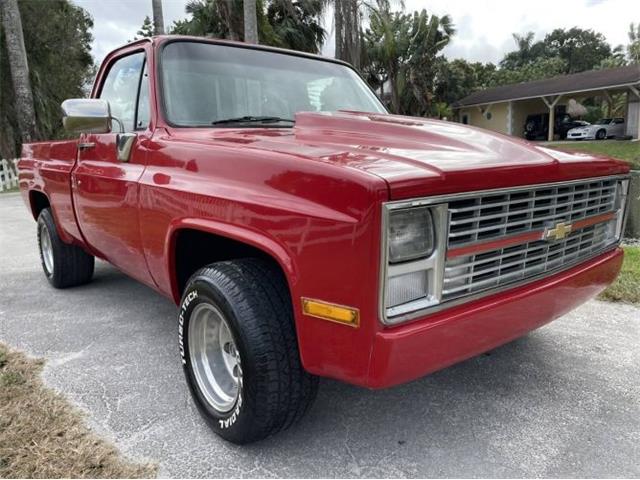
(528, 210)
(558, 216)
(501, 265)
(495, 216)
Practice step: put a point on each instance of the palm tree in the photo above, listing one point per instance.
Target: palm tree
(19, 66)
(296, 24)
(387, 40)
(250, 22)
(158, 19)
(348, 35)
(429, 35)
(633, 50)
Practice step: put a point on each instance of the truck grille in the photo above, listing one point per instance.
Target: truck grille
(479, 224)
(494, 216)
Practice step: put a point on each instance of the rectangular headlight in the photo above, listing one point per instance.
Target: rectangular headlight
(413, 259)
(410, 234)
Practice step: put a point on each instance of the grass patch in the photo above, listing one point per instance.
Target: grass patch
(622, 150)
(626, 288)
(10, 190)
(43, 435)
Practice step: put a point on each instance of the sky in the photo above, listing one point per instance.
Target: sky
(484, 27)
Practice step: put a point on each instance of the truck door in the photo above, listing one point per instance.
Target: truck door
(105, 187)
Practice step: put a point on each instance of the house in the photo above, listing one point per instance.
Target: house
(505, 109)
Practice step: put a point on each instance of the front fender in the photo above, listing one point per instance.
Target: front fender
(258, 240)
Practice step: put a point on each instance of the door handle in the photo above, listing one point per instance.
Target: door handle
(86, 145)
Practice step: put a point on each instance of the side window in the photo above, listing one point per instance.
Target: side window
(142, 115)
(120, 88)
(618, 120)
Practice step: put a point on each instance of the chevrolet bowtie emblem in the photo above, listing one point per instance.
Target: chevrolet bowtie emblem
(558, 231)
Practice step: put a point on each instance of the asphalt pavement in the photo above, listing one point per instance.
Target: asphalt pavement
(563, 401)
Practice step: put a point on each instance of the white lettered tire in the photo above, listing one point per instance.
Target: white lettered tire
(239, 350)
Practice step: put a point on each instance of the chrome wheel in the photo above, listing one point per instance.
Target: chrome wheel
(215, 360)
(46, 249)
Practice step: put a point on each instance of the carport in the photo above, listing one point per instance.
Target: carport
(504, 109)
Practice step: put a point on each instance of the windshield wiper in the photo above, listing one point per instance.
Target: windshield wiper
(252, 119)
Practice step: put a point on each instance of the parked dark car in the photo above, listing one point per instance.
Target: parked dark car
(537, 125)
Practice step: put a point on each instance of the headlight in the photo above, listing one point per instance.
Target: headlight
(410, 234)
(413, 258)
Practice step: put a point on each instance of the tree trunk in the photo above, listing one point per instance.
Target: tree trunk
(393, 86)
(347, 26)
(19, 69)
(250, 22)
(158, 19)
(226, 12)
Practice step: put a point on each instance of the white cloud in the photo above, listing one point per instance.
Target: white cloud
(484, 27)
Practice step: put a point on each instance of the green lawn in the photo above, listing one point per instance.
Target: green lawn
(623, 150)
(11, 190)
(627, 287)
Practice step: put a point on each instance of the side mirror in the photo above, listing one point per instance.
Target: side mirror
(86, 115)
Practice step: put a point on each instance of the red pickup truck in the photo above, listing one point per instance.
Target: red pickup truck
(305, 232)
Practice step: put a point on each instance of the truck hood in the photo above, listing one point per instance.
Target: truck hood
(417, 156)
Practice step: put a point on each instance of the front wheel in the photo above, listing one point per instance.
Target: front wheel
(601, 134)
(239, 350)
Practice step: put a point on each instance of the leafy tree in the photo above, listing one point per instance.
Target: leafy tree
(536, 70)
(53, 30)
(387, 43)
(429, 35)
(293, 24)
(527, 52)
(580, 49)
(146, 30)
(456, 79)
(296, 24)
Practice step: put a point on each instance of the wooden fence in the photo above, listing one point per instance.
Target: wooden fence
(8, 174)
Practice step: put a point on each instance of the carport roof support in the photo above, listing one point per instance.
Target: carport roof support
(611, 79)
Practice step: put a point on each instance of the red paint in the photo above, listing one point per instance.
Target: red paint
(310, 197)
(495, 244)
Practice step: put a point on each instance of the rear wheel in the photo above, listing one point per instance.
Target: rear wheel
(239, 350)
(64, 265)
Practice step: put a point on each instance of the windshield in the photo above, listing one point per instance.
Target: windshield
(603, 121)
(205, 83)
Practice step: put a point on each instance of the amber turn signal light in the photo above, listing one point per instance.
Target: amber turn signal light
(333, 313)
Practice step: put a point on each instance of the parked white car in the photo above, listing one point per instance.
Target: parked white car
(603, 128)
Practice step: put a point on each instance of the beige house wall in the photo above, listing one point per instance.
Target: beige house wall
(478, 118)
(500, 118)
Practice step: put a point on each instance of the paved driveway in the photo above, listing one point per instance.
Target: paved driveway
(563, 401)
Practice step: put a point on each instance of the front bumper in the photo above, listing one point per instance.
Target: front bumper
(404, 353)
(580, 136)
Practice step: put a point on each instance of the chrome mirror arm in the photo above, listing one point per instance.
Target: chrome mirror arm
(120, 124)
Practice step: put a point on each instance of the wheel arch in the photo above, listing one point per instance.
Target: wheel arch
(211, 241)
(38, 201)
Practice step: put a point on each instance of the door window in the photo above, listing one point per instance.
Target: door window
(120, 89)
